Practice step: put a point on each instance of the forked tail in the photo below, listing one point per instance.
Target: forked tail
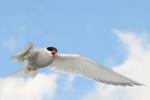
(25, 71)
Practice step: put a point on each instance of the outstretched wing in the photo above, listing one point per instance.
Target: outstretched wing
(24, 54)
(82, 66)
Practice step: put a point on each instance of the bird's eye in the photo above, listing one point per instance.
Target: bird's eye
(51, 49)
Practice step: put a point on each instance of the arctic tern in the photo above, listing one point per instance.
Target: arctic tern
(70, 63)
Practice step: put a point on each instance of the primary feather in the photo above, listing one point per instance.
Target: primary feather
(82, 66)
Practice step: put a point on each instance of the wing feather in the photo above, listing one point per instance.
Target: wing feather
(29, 51)
(83, 66)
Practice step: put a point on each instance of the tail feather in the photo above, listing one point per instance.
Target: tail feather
(24, 72)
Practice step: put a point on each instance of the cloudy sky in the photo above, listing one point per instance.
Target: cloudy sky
(113, 33)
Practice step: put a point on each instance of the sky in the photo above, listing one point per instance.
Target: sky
(113, 33)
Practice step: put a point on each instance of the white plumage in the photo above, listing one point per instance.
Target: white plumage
(71, 63)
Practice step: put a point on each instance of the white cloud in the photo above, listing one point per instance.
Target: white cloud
(136, 66)
(41, 87)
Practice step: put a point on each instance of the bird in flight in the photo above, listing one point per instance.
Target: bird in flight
(71, 63)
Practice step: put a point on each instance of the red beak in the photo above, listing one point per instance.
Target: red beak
(53, 53)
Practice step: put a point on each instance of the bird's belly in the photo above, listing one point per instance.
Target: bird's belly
(42, 61)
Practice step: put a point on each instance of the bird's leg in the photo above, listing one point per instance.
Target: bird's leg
(31, 69)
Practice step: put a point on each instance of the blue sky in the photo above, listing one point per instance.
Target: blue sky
(73, 26)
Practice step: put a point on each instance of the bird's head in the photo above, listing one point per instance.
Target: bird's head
(52, 50)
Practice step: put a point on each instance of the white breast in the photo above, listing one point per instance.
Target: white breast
(43, 59)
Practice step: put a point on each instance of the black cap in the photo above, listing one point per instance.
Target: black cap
(51, 49)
